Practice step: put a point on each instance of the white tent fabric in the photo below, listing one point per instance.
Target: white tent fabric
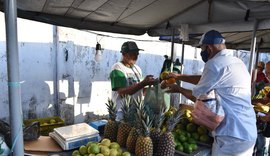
(235, 18)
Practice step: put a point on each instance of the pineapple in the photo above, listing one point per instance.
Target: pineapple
(110, 130)
(144, 144)
(124, 127)
(134, 133)
(166, 145)
(156, 132)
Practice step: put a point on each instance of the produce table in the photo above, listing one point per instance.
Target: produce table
(204, 151)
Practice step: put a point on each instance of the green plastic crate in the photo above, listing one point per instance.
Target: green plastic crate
(46, 124)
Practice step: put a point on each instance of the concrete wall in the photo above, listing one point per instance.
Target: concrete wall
(63, 67)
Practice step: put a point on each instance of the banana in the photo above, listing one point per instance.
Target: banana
(261, 108)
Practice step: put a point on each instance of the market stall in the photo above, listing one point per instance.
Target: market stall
(126, 17)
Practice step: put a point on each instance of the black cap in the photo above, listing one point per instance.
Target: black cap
(130, 47)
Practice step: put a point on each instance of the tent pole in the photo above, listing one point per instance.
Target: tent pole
(182, 57)
(14, 86)
(251, 61)
(182, 66)
(172, 48)
(55, 71)
(252, 47)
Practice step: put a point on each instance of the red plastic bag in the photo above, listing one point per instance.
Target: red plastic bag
(208, 112)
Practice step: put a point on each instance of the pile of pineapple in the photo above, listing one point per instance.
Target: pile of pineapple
(141, 132)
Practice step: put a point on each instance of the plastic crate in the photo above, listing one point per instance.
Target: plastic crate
(46, 124)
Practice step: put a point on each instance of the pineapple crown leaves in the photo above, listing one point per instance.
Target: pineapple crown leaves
(126, 109)
(138, 102)
(146, 126)
(173, 120)
(111, 107)
(159, 118)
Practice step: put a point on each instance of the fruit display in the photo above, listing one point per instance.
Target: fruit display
(103, 148)
(165, 133)
(188, 136)
(46, 124)
(111, 128)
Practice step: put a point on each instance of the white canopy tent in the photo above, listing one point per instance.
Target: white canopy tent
(240, 21)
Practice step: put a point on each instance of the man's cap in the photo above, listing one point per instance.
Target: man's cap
(212, 37)
(130, 47)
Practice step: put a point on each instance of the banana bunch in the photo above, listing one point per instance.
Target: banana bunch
(261, 108)
(263, 92)
(187, 114)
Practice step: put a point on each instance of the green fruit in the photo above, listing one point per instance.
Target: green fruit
(99, 154)
(114, 145)
(195, 136)
(194, 147)
(75, 153)
(120, 151)
(88, 144)
(182, 138)
(105, 150)
(52, 121)
(106, 142)
(191, 127)
(83, 150)
(205, 138)
(179, 148)
(191, 141)
(113, 152)
(201, 130)
(93, 149)
(126, 154)
(187, 148)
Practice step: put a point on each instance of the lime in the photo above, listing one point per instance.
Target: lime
(191, 141)
(83, 150)
(195, 136)
(179, 148)
(182, 138)
(201, 130)
(205, 138)
(93, 149)
(191, 127)
(194, 147)
(126, 154)
(188, 148)
(114, 145)
(105, 150)
(76, 152)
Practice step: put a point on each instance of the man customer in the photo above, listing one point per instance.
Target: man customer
(228, 76)
(126, 77)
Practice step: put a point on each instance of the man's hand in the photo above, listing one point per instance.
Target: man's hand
(149, 80)
(173, 88)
